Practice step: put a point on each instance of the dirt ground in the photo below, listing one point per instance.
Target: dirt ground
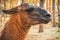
(48, 34)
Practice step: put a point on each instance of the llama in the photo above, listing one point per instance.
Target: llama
(21, 19)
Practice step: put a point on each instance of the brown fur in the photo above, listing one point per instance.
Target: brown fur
(17, 27)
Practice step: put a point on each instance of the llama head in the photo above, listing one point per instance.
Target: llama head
(36, 15)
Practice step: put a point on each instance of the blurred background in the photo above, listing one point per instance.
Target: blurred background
(50, 31)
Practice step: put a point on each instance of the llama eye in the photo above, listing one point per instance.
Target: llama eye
(30, 10)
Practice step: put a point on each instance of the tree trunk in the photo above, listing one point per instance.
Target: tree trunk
(42, 6)
(42, 3)
(0, 6)
(58, 15)
(53, 8)
(23, 1)
(4, 8)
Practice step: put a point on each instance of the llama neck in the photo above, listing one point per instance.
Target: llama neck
(22, 24)
(16, 29)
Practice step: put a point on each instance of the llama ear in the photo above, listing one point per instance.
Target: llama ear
(30, 10)
(10, 11)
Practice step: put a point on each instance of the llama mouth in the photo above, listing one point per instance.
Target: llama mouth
(45, 21)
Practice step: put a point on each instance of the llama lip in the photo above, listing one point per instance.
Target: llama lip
(45, 22)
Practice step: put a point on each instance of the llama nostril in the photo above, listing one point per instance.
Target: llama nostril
(48, 15)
